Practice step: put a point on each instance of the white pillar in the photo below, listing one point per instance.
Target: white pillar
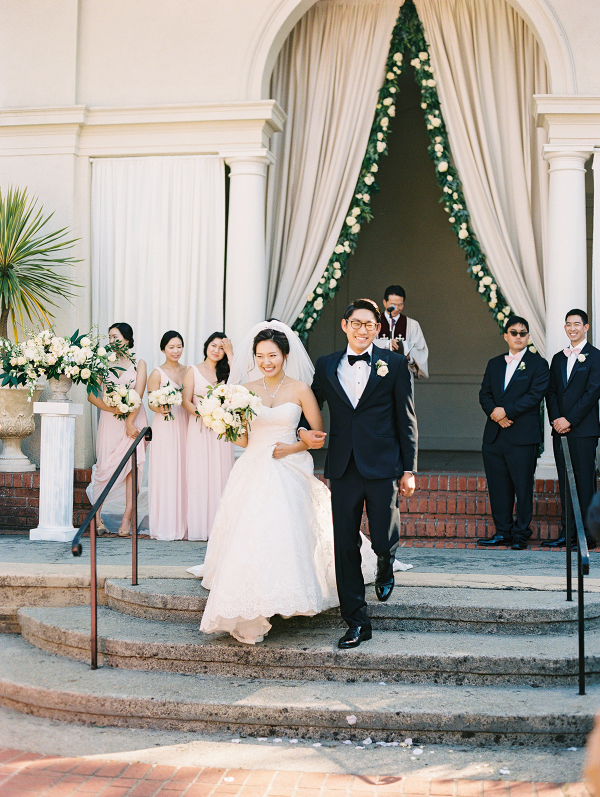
(596, 252)
(246, 281)
(565, 269)
(57, 459)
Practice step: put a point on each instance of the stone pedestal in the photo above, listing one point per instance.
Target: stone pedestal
(57, 458)
(16, 423)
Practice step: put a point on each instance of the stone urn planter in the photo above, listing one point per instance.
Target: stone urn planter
(60, 388)
(16, 422)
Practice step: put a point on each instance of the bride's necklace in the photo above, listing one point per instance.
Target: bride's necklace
(278, 386)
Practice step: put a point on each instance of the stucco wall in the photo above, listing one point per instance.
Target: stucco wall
(107, 52)
(59, 54)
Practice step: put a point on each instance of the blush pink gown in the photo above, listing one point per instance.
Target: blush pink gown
(112, 444)
(209, 463)
(167, 493)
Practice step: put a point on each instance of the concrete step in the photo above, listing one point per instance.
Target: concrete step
(41, 684)
(311, 653)
(42, 589)
(479, 611)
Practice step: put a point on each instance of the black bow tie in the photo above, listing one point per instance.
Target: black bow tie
(354, 358)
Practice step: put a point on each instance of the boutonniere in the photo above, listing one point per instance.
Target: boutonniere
(522, 366)
(382, 369)
(582, 357)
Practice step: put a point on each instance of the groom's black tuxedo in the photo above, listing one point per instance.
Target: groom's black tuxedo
(576, 399)
(510, 454)
(381, 432)
(370, 446)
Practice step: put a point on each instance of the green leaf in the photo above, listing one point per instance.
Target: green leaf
(29, 254)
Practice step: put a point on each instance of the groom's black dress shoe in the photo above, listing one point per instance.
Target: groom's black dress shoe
(354, 636)
(384, 578)
(497, 539)
(559, 543)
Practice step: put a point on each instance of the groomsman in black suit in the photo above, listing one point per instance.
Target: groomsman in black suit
(572, 404)
(372, 453)
(512, 390)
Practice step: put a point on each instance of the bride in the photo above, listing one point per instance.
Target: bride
(271, 546)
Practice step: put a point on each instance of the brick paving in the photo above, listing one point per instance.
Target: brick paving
(30, 774)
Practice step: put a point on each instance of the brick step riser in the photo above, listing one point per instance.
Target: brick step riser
(462, 506)
(20, 500)
(470, 531)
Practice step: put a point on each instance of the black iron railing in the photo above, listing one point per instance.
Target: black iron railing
(573, 510)
(90, 521)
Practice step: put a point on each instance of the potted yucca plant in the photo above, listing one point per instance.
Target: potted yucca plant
(30, 287)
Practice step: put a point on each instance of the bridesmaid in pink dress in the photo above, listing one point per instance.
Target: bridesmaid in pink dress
(209, 460)
(115, 436)
(167, 491)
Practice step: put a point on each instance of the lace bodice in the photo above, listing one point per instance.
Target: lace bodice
(274, 425)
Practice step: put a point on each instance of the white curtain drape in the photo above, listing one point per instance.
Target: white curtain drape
(488, 66)
(158, 247)
(326, 79)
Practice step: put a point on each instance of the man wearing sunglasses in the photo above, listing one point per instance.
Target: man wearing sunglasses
(372, 454)
(573, 411)
(513, 387)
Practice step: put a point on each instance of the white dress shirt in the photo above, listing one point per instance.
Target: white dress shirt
(354, 378)
(571, 360)
(512, 367)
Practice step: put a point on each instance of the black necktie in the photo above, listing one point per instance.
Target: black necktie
(354, 358)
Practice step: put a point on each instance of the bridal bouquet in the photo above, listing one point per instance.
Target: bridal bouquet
(125, 399)
(228, 410)
(167, 396)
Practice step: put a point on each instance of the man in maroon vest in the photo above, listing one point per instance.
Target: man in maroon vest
(405, 333)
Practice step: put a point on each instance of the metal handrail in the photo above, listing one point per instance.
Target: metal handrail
(90, 520)
(583, 555)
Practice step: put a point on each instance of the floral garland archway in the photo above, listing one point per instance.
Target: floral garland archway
(408, 38)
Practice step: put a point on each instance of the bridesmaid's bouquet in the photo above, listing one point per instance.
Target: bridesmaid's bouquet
(228, 410)
(167, 396)
(125, 399)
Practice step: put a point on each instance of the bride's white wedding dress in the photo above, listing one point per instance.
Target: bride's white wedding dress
(271, 546)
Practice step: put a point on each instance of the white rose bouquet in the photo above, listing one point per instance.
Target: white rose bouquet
(167, 396)
(228, 410)
(123, 398)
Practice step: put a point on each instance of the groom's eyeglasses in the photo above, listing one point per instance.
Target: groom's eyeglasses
(518, 333)
(370, 326)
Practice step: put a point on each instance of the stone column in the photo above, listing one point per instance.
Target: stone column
(565, 269)
(57, 458)
(596, 251)
(246, 280)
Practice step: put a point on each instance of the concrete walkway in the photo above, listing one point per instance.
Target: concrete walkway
(477, 567)
(33, 774)
(177, 763)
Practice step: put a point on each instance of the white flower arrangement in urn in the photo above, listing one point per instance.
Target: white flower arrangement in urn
(81, 358)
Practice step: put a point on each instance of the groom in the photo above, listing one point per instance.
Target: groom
(372, 452)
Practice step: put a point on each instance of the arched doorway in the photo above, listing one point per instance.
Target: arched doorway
(281, 18)
(409, 241)
(428, 253)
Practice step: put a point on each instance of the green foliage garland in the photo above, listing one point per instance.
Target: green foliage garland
(408, 39)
